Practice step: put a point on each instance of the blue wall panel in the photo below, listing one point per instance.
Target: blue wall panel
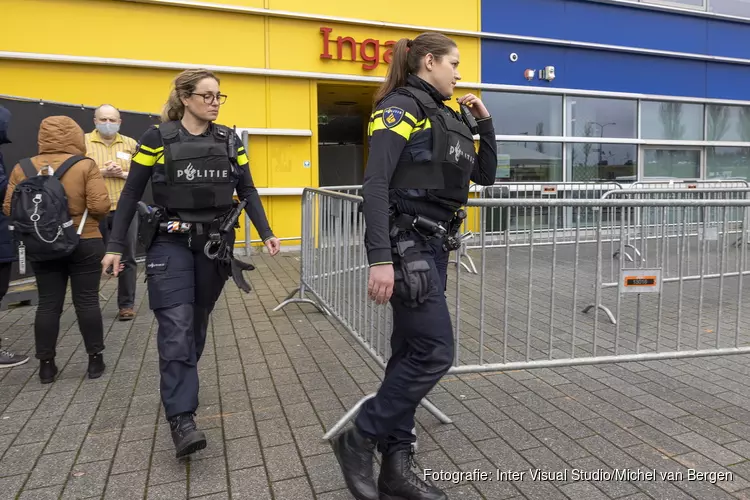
(612, 71)
(725, 81)
(586, 21)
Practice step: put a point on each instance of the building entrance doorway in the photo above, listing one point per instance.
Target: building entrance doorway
(343, 115)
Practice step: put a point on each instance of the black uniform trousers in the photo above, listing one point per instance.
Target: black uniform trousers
(183, 287)
(422, 348)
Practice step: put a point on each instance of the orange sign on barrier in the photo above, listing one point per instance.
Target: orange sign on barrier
(641, 281)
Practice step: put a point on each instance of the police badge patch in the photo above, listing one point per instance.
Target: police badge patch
(392, 116)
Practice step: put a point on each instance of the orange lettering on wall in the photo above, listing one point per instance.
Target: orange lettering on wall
(369, 49)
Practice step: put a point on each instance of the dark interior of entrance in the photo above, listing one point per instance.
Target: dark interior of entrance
(343, 115)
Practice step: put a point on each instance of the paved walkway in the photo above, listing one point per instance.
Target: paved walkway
(271, 385)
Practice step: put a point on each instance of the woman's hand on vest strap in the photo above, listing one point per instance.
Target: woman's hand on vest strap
(475, 104)
(273, 245)
(380, 283)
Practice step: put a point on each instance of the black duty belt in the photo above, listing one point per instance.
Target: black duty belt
(423, 225)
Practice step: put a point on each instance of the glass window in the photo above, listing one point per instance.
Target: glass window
(524, 114)
(727, 123)
(673, 121)
(598, 117)
(739, 8)
(723, 163)
(529, 161)
(672, 163)
(588, 162)
(695, 4)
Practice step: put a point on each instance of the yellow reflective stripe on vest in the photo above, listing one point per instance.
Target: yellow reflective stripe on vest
(147, 156)
(403, 127)
(421, 125)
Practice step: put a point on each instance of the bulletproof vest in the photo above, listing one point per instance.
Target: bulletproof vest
(445, 175)
(198, 177)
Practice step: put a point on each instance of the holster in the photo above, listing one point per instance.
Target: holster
(149, 219)
(412, 272)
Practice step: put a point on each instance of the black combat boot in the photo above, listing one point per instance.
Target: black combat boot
(398, 481)
(187, 438)
(96, 365)
(355, 453)
(47, 371)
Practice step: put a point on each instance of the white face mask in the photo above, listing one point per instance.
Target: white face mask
(108, 129)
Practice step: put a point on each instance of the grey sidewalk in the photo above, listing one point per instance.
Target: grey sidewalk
(272, 382)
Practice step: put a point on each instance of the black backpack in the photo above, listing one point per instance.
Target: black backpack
(39, 214)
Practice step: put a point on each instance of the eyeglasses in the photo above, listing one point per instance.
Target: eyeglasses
(209, 98)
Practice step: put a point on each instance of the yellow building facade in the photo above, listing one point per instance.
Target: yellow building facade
(288, 67)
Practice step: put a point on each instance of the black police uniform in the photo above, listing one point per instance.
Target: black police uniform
(193, 180)
(421, 160)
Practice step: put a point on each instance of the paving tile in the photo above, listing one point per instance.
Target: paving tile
(49, 493)
(324, 473)
(130, 485)
(87, 480)
(293, 489)
(250, 484)
(168, 491)
(207, 476)
(243, 453)
(20, 459)
(51, 470)
(10, 486)
(712, 450)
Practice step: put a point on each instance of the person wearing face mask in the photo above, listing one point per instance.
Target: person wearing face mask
(195, 166)
(112, 151)
(421, 159)
(7, 249)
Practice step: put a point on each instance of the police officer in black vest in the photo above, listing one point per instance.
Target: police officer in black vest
(422, 157)
(195, 166)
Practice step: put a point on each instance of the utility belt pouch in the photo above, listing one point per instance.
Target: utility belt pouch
(412, 271)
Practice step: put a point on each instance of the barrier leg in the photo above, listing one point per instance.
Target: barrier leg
(462, 253)
(602, 308)
(349, 415)
(291, 299)
(627, 255)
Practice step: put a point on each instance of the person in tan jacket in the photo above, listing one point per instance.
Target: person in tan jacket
(60, 138)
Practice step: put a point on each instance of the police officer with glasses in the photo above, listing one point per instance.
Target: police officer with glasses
(421, 160)
(195, 166)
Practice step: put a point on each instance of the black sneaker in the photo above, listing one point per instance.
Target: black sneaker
(96, 365)
(187, 438)
(47, 371)
(9, 359)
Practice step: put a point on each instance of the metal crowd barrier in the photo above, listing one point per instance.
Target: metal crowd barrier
(522, 310)
(669, 183)
(519, 217)
(563, 221)
(660, 234)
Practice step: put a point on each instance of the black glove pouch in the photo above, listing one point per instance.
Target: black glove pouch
(412, 272)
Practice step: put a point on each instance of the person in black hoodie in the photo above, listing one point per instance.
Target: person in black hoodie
(7, 250)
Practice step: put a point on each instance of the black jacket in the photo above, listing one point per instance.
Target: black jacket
(7, 248)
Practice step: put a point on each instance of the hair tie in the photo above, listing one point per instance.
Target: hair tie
(408, 42)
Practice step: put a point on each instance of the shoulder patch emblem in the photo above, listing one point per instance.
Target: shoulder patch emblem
(392, 116)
